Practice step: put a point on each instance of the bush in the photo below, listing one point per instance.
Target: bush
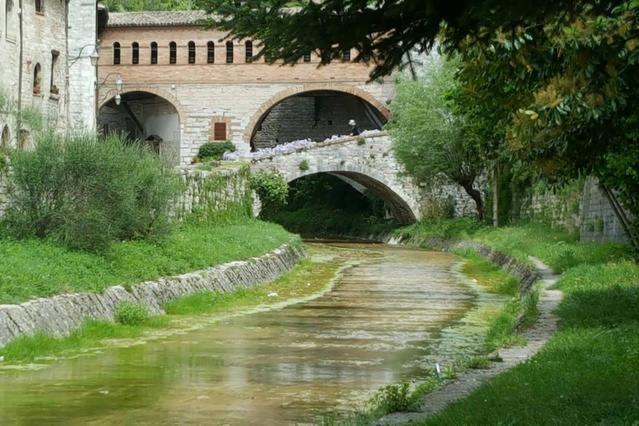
(87, 193)
(394, 398)
(130, 313)
(271, 188)
(215, 150)
(304, 165)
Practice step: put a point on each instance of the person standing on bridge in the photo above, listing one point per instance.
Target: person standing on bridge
(354, 129)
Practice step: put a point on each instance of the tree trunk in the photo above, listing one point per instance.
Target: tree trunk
(476, 196)
(495, 196)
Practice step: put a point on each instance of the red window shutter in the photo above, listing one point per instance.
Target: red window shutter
(219, 131)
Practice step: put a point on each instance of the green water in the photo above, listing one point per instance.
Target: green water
(386, 321)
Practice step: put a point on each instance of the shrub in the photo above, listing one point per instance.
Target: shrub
(394, 398)
(130, 313)
(271, 188)
(215, 150)
(87, 192)
(304, 165)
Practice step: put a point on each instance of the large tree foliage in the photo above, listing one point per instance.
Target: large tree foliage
(382, 31)
(559, 99)
(430, 139)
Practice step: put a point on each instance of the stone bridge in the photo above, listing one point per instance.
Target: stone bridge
(367, 163)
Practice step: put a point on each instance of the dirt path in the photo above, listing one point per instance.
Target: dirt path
(468, 381)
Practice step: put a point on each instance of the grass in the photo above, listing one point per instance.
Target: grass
(307, 278)
(36, 268)
(91, 335)
(501, 330)
(557, 248)
(588, 373)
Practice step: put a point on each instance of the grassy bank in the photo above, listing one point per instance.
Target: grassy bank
(36, 268)
(588, 373)
(307, 278)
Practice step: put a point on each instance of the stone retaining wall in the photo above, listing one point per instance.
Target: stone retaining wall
(223, 190)
(60, 315)
(526, 274)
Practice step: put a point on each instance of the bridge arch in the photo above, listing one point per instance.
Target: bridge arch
(395, 201)
(366, 163)
(145, 114)
(373, 108)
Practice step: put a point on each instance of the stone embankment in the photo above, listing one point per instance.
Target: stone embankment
(527, 274)
(60, 315)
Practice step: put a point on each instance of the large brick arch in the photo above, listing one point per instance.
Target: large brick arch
(266, 107)
(168, 97)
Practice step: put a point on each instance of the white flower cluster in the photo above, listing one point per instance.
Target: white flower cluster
(286, 148)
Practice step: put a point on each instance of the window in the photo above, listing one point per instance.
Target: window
(307, 57)
(154, 53)
(37, 79)
(210, 52)
(39, 6)
(9, 19)
(229, 52)
(135, 53)
(219, 131)
(249, 51)
(54, 65)
(116, 53)
(347, 56)
(172, 53)
(191, 52)
(6, 137)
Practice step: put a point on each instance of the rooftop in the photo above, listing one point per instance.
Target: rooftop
(157, 19)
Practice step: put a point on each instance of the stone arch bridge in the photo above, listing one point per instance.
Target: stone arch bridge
(367, 163)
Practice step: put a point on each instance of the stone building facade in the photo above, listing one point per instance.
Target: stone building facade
(45, 46)
(218, 91)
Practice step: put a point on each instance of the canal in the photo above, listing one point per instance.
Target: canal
(387, 320)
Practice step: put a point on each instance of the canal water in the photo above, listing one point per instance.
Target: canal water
(387, 320)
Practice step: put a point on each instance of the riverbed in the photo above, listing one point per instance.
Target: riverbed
(387, 320)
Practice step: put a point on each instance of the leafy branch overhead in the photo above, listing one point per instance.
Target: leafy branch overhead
(382, 31)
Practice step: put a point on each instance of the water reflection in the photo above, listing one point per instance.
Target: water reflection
(385, 322)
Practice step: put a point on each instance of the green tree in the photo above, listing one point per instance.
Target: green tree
(430, 139)
(383, 32)
(560, 99)
(140, 5)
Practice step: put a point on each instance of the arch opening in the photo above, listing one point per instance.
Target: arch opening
(144, 117)
(5, 140)
(340, 203)
(315, 115)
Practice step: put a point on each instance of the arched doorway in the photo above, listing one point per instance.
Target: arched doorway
(315, 115)
(145, 117)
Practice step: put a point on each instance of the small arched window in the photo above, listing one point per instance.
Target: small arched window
(135, 53)
(116, 53)
(347, 56)
(37, 79)
(229, 52)
(6, 137)
(210, 52)
(172, 53)
(154, 53)
(249, 51)
(191, 52)
(307, 57)
(39, 6)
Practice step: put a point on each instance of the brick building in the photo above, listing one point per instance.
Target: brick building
(184, 85)
(45, 65)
